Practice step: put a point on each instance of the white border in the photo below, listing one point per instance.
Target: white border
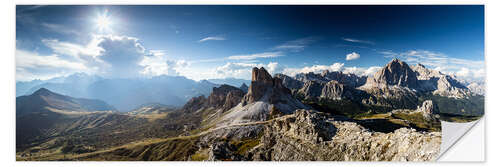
(8, 83)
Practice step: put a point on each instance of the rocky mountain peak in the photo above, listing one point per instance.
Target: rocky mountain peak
(396, 72)
(266, 97)
(43, 92)
(261, 75)
(262, 83)
(244, 87)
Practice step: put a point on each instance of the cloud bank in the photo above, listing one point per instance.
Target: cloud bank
(107, 55)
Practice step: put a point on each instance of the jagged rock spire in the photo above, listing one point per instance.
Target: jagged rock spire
(262, 82)
(261, 75)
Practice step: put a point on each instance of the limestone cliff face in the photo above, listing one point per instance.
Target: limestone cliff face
(232, 99)
(311, 90)
(224, 97)
(262, 84)
(333, 90)
(395, 72)
(448, 86)
(351, 80)
(195, 104)
(290, 82)
(439, 83)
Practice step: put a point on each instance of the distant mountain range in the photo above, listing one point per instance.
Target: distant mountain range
(230, 81)
(43, 100)
(126, 94)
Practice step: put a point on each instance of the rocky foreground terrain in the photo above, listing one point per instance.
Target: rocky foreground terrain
(391, 116)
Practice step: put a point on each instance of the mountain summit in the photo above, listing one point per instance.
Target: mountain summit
(44, 100)
(262, 84)
(266, 97)
(396, 72)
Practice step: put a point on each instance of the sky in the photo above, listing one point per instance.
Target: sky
(207, 42)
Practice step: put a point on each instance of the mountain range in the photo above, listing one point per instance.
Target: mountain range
(391, 116)
(125, 94)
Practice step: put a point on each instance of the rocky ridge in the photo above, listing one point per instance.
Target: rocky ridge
(307, 135)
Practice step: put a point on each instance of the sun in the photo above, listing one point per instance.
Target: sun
(103, 22)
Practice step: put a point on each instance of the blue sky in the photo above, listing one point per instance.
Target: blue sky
(204, 42)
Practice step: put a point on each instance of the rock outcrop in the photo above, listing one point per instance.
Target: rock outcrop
(266, 96)
(232, 99)
(428, 110)
(306, 136)
(223, 97)
(262, 82)
(195, 104)
(223, 151)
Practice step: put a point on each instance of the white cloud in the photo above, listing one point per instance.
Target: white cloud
(352, 56)
(314, 69)
(244, 70)
(31, 65)
(361, 71)
(463, 72)
(157, 64)
(212, 39)
(74, 50)
(358, 41)
(122, 56)
(467, 69)
(295, 45)
(109, 55)
(256, 56)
